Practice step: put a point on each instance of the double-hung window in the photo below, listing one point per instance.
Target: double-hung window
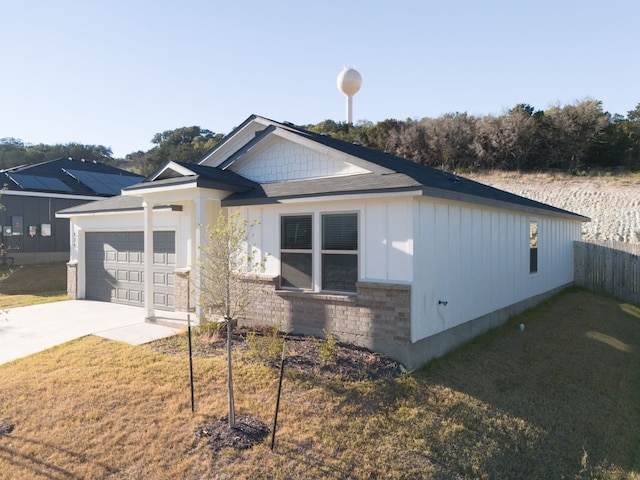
(337, 258)
(339, 252)
(296, 251)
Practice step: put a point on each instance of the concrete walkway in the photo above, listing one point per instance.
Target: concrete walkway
(27, 330)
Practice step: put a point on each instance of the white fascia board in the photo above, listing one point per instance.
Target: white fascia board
(137, 211)
(233, 144)
(175, 167)
(144, 191)
(177, 193)
(49, 195)
(498, 204)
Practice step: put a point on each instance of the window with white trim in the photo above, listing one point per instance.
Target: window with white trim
(533, 247)
(296, 252)
(338, 253)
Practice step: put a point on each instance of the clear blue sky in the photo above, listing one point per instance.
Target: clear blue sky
(116, 72)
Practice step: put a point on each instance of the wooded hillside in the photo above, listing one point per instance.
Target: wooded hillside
(579, 136)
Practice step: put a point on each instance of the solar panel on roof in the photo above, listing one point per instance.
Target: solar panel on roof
(38, 182)
(104, 183)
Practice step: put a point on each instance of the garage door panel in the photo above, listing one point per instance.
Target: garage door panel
(115, 267)
(160, 299)
(123, 276)
(122, 294)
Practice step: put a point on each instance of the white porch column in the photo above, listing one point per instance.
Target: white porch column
(148, 259)
(200, 239)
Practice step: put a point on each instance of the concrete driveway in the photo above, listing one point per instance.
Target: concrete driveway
(27, 330)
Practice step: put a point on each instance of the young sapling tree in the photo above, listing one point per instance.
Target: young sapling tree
(228, 269)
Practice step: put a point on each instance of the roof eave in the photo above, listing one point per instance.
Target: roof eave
(324, 196)
(136, 210)
(488, 202)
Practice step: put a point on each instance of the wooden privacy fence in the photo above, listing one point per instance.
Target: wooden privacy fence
(612, 268)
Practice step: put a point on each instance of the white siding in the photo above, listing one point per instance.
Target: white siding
(385, 235)
(399, 247)
(374, 242)
(284, 160)
(477, 260)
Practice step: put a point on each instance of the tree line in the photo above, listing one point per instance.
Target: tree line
(185, 144)
(574, 137)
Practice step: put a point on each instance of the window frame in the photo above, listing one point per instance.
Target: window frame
(347, 252)
(317, 251)
(301, 251)
(534, 260)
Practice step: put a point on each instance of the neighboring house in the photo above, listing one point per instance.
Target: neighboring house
(33, 193)
(401, 258)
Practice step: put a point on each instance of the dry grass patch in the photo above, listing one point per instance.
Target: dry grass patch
(559, 400)
(32, 284)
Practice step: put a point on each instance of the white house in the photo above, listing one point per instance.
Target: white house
(395, 256)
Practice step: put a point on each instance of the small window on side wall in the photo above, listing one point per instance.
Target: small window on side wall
(533, 247)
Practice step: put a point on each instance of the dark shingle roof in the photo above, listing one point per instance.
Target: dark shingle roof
(408, 176)
(119, 203)
(217, 176)
(203, 177)
(404, 176)
(69, 176)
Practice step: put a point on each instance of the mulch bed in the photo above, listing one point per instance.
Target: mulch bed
(348, 362)
(6, 427)
(246, 433)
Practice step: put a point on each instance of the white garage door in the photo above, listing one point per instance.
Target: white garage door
(115, 268)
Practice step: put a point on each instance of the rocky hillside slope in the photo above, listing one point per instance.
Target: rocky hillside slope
(611, 201)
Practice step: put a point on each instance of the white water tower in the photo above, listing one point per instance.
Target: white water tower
(349, 82)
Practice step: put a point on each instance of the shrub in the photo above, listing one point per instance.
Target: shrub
(266, 344)
(212, 330)
(327, 347)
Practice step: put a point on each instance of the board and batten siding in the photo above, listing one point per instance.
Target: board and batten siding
(472, 261)
(385, 235)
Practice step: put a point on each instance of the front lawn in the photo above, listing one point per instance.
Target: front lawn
(24, 285)
(557, 400)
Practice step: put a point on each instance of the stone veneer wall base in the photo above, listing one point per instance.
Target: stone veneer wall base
(72, 280)
(377, 317)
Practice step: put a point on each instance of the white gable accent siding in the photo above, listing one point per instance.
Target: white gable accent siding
(284, 160)
(477, 261)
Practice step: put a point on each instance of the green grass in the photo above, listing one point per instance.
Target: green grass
(559, 400)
